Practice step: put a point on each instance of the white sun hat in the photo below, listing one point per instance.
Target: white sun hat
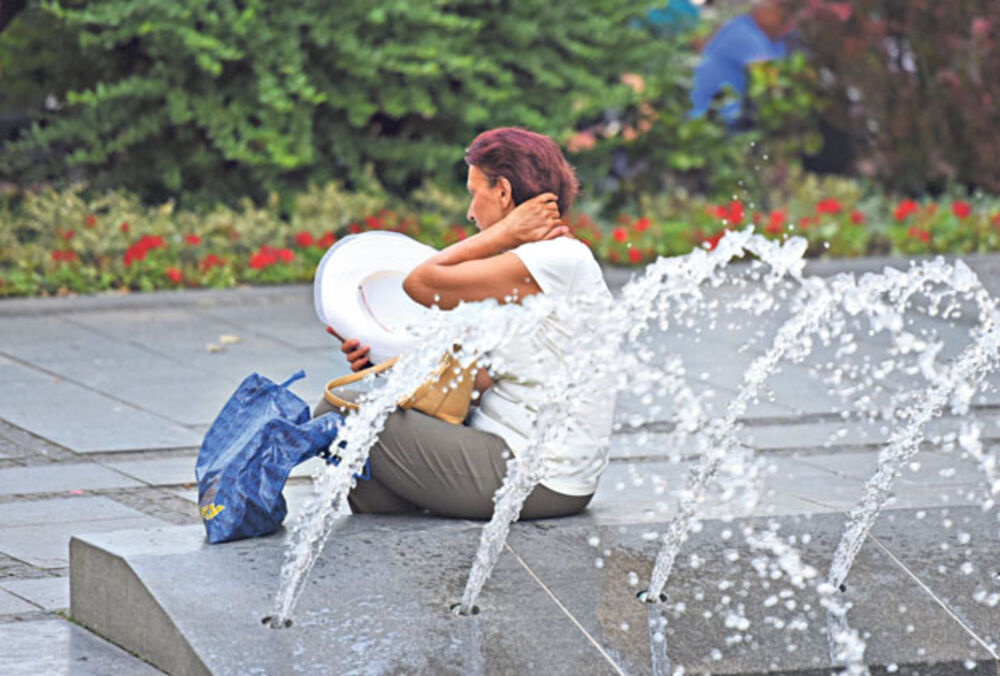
(358, 290)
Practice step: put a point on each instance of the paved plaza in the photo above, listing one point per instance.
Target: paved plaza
(105, 400)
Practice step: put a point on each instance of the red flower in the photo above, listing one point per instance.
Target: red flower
(713, 241)
(634, 256)
(124, 226)
(619, 234)
(805, 222)
(303, 239)
(961, 209)
(373, 223)
(67, 235)
(261, 260)
(63, 256)
(919, 233)
(210, 261)
(828, 206)
(735, 212)
(996, 219)
(90, 220)
(326, 241)
(641, 225)
(133, 254)
(857, 218)
(904, 209)
(354, 228)
(173, 274)
(459, 233)
(193, 240)
(269, 255)
(137, 251)
(775, 222)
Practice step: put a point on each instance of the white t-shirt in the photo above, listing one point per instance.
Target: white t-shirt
(563, 268)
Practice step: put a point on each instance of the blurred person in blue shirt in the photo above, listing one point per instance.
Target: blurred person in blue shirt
(748, 38)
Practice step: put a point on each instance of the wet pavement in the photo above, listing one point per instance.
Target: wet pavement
(105, 400)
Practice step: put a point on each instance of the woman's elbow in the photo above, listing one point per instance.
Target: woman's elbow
(416, 289)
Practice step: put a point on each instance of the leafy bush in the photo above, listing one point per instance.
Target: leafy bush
(231, 99)
(915, 85)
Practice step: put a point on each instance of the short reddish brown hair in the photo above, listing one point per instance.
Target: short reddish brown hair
(531, 162)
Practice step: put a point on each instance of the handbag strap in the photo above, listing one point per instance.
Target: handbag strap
(338, 402)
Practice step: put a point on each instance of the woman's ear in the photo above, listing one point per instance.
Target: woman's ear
(506, 193)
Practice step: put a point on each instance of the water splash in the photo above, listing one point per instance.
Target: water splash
(667, 295)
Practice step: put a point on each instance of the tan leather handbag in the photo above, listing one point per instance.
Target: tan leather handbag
(445, 394)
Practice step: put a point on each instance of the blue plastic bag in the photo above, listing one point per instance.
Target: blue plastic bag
(262, 432)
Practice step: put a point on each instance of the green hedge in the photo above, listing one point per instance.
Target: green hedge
(215, 101)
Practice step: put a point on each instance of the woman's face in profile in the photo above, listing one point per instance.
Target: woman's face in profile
(487, 204)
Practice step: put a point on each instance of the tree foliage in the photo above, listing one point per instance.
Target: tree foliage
(915, 84)
(216, 99)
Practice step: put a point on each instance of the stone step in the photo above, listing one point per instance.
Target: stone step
(562, 598)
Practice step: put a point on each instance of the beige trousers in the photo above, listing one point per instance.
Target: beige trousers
(422, 463)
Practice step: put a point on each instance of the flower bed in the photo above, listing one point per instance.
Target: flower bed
(55, 242)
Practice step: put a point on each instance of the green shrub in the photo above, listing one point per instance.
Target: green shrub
(216, 101)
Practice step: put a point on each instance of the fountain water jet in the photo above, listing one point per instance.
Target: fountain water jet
(652, 300)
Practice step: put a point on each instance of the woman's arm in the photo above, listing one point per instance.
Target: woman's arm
(476, 268)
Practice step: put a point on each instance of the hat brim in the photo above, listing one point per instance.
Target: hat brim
(358, 290)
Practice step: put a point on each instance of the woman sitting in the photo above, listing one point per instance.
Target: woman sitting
(518, 183)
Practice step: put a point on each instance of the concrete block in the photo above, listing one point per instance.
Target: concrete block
(133, 587)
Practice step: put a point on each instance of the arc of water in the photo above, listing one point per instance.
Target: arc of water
(849, 643)
(479, 328)
(975, 362)
(642, 300)
(318, 518)
(971, 366)
(721, 439)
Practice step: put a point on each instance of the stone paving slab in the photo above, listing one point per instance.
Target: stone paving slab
(58, 647)
(927, 468)
(955, 552)
(49, 593)
(81, 419)
(715, 586)
(38, 532)
(60, 477)
(184, 336)
(14, 605)
(119, 369)
(160, 471)
(291, 321)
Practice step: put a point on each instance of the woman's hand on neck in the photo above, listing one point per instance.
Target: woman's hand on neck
(477, 267)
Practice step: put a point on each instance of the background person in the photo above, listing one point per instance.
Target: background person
(518, 184)
(748, 38)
